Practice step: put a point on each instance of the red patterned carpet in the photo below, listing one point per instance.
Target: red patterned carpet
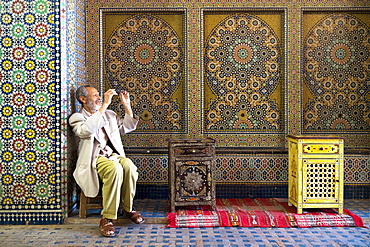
(271, 212)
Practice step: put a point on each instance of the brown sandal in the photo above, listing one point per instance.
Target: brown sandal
(135, 216)
(106, 228)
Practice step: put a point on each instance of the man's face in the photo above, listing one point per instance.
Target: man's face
(93, 100)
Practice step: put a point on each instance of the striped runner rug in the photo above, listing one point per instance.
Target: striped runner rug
(270, 212)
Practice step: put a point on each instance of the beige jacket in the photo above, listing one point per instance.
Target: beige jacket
(85, 127)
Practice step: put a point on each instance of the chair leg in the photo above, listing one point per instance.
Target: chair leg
(83, 202)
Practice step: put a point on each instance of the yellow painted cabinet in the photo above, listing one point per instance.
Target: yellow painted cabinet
(315, 172)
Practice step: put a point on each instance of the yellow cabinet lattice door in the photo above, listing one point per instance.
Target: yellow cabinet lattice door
(322, 184)
(315, 172)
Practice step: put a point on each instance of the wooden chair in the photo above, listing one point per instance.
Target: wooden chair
(92, 203)
(89, 203)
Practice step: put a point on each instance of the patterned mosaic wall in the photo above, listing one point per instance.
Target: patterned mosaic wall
(243, 72)
(38, 75)
(217, 97)
(241, 90)
(243, 81)
(73, 73)
(336, 71)
(30, 112)
(144, 54)
(248, 169)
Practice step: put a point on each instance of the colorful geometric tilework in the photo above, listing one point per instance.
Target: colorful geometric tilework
(72, 71)
(290, 90)
(144, 54)
(38, 77)
(243, 61)
(248, 169)
(30, 111)
(336, 71)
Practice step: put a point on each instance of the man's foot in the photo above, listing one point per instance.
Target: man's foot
(106, 227)
(135, 216)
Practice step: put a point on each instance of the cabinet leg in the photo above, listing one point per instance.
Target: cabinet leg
(299, 209)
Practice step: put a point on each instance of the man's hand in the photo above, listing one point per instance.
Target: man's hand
(108, 96)
(125, 100)
(107, 100)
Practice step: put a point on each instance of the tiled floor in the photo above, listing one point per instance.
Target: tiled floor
(84, 232)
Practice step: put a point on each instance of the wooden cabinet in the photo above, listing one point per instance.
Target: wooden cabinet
(191, 174)
(315, 172)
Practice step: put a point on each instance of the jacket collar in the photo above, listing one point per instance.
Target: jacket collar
(85, 113)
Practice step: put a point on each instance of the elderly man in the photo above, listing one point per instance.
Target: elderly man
(101, 154)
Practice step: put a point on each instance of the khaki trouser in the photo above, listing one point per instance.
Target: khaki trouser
(119, 176)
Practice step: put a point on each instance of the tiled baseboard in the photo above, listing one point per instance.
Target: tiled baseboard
(151, 191)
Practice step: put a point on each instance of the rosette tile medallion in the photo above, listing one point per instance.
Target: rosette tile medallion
(336, 73)
(144, 55)
(242, 74)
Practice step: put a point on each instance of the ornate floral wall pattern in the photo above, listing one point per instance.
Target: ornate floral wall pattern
(35, 100)
(145, 55)
(336, 67)
(242, 64)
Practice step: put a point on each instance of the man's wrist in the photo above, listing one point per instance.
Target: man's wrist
(103, 108)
